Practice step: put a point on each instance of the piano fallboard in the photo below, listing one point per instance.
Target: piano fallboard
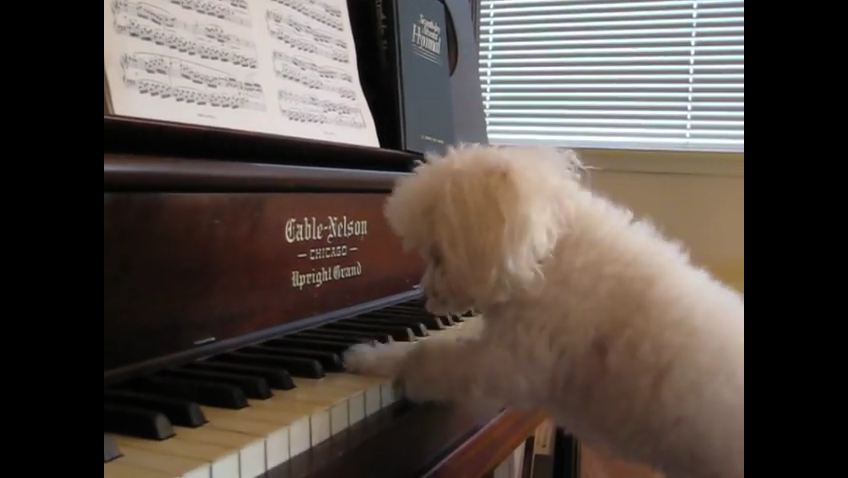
(187, 270)
(201, 255)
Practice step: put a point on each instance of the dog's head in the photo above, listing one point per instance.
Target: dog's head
(484, 219)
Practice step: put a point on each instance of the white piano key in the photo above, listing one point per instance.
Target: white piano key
(321, 429)
(373, 400)
(370, 387)
(356, 409)
(339, 417)
(300, 436)
(301, 416)
(250, 448)
(119, 469)
(318, 418)
(224, 461)
(335, 398)
(272, 426)
(175, 466)
(388, 394)
(277, 449)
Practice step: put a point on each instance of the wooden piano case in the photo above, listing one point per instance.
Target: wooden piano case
(217, 239)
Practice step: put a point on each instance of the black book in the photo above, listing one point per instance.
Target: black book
(402, 48)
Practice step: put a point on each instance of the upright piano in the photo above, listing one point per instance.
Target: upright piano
(238, 268)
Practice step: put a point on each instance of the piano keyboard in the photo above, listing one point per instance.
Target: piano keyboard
(245, 412)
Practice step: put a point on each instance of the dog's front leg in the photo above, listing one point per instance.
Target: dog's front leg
(434, 370)
(452, 371)
(383, 360)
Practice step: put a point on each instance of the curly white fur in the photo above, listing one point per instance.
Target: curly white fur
(589, 313)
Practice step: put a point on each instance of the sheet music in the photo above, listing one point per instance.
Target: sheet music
(274, 66)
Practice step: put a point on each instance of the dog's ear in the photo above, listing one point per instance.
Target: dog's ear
(409, 208)
(497, 223)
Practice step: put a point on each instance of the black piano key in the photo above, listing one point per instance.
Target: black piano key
(214, 394)
(392, 313)
(137, 422)
(337, 340)
(415, 305)
(179, 411)
(380, 337)
(410, 311)
(403, 309)
(430, 321)
(277, 378)
(419, 329)
(110, 449)
(349, 341)
(331, 361)
(252, 386)
(314, 344)
(309, 343)
(399, 331)
(299, 367)
(402, 334)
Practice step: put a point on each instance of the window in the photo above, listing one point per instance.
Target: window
(658, 74)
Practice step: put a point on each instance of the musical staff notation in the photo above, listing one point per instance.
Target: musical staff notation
(279, 19)
(311, 109)
(208, 41)
(233, 11)
(316, 43)
(313, 76)
(275, 66)
(189, 82)
(317, 10)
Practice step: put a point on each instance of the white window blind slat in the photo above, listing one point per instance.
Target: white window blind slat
(616, 17)
(704, 31)
(665, 74)
(607, 24)
(504, 45)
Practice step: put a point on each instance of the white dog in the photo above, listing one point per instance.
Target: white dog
(588, 313)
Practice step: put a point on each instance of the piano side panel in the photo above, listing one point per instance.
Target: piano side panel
(426, 440)
(490, 446)
(185, 270)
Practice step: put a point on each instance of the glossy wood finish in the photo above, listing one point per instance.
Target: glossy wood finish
(134, 172)
(196, 261)
(185, 270)
(489, 446)
(164, 139)
(419, 440)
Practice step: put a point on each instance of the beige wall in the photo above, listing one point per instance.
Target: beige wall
(705, 210)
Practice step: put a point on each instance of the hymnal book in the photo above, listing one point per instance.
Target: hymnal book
(408, 81)
(469, 119)
(285, 67)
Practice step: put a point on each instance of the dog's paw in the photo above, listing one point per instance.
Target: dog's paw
(383, 360)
